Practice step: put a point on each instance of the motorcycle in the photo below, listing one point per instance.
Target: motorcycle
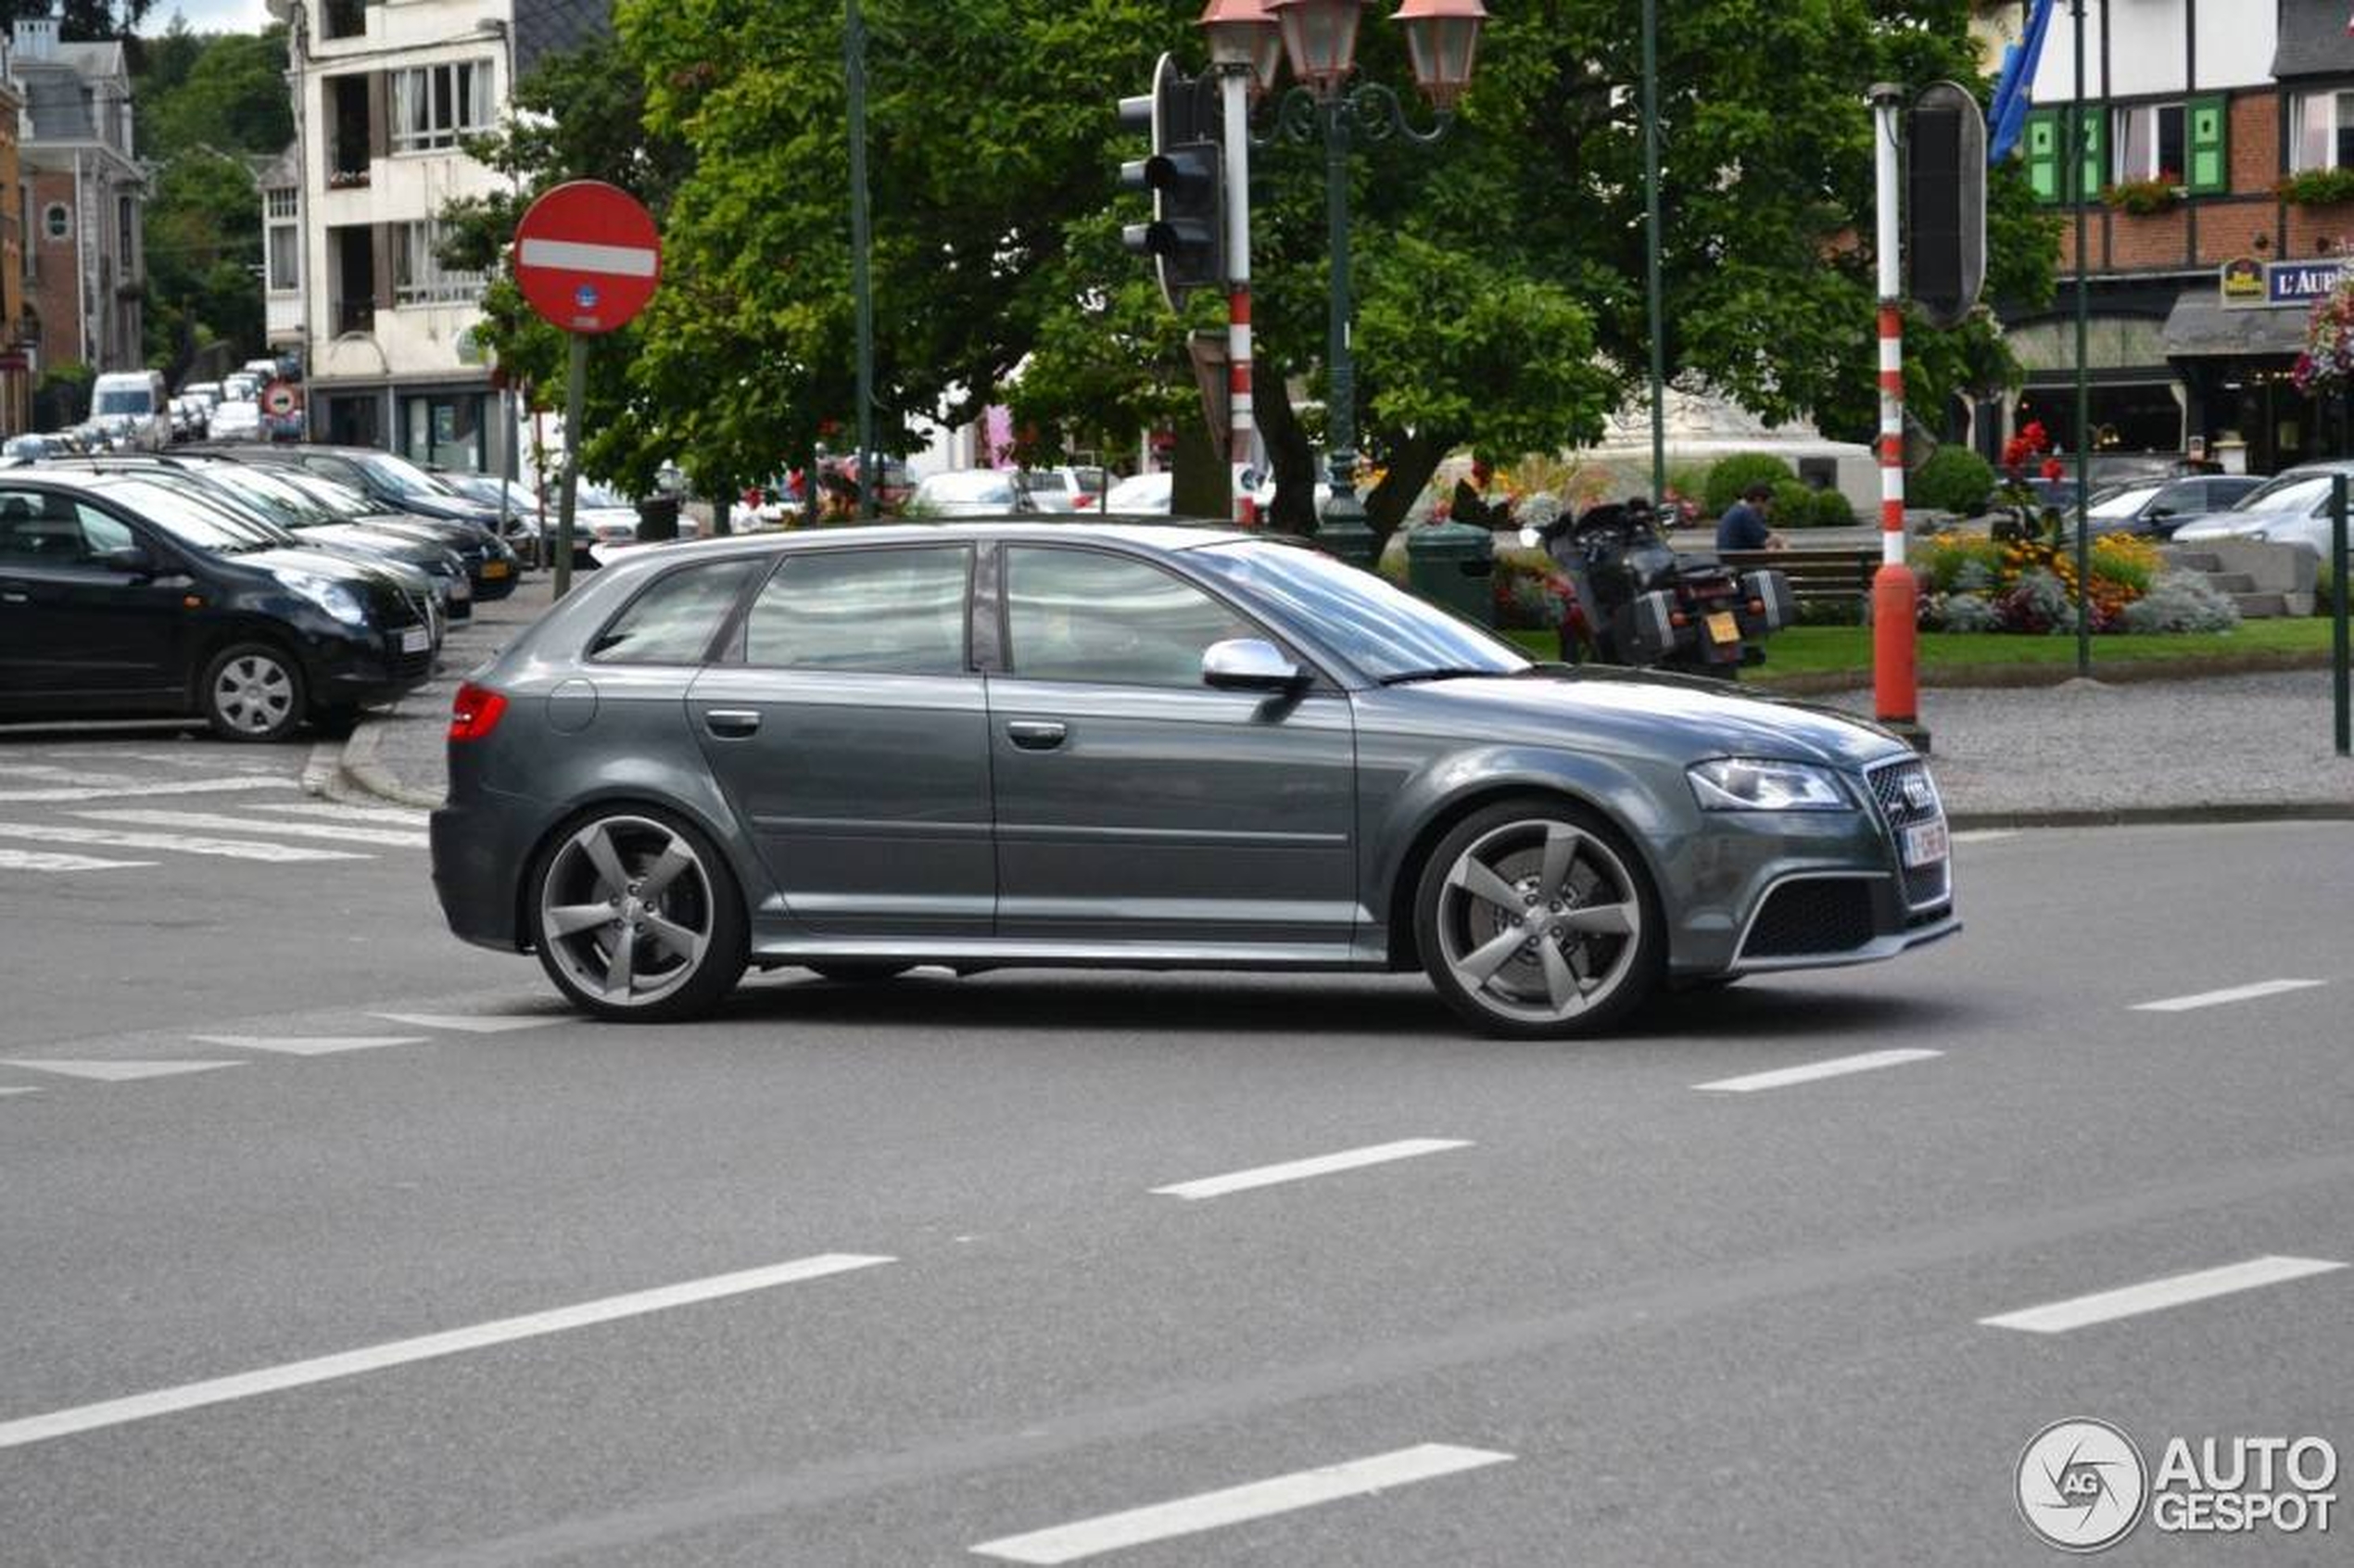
(1635, 601)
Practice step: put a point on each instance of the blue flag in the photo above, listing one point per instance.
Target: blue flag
(2014, 88)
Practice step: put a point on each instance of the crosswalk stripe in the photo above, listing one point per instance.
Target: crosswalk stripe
(306, 1046)
(118, 1072)
(54, 778)
(231, 849)
(38, 860)
(10, 1090)
(57, 795)
(391, 837)
(396, 817)
(470, 1024)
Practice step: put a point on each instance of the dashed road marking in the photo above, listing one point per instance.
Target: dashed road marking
(1782, 1078)
(1299, 1170)
(231, 849)
(1235, 1505)
(390, 816)
(1984, 835)
(54, 778)
(2218, 998)
(465, 1023)
(399, 1352)
(116, 1071)
(41, 860)
(177, 787)
(2058, 1317)
(222, 821)
(307, 1045)
(5, 1090)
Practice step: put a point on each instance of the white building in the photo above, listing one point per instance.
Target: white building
(384, 91)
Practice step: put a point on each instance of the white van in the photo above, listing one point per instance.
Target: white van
(140, 394)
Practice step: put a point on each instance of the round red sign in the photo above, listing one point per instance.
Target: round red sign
(278, 398)
(588, 257)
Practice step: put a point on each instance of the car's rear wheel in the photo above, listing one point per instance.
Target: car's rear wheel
(1536, 921)
(860, 971)
(251, 691)
(635, 917)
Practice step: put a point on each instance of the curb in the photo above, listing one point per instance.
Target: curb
(2158, 817)
(2015, 676)
(339, 772)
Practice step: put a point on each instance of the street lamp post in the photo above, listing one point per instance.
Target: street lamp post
(1320, 40)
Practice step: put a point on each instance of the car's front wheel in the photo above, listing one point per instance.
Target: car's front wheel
(1536, 920)
(252, 691)
(635, 917)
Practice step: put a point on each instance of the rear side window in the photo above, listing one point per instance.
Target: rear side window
(674, 620)
(889, 612)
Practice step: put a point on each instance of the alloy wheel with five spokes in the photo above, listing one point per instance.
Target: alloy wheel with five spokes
(636, 917)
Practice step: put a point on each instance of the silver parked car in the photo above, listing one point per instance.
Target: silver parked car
(861, 750)
(2292, 508)
(969, 492)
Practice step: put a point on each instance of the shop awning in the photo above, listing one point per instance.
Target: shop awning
(2199, 327)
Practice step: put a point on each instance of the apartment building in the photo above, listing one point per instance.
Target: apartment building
(2212, 224)
(82, 265)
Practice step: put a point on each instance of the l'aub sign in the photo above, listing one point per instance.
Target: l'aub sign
(2247, 283)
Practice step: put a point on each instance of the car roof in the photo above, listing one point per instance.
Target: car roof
(1168, 538)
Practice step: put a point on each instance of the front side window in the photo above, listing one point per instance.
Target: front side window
(1083, 616)
(885, 611)
(1384, 630)
(2150, 143)
(39, 530)
(672, 621)
(433, 106)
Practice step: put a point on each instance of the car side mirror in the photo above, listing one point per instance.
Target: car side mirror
(130, 559)
(1248, 663)
(2154, 513)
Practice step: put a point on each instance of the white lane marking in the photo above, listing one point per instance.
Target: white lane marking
(232, 849)
(1299, 1169)
(2217, 998)
(1984, 835)
(471, 1024)
(585, 255)
(1234, 1505)
(392, 816)
(118, 1072)
(1781, 1078)
(222, 821)
(9, 1091)
(37, 860)
(399, 1352)
(180, 787)
(2058, 1317)
(53, 776)
(307, 1045)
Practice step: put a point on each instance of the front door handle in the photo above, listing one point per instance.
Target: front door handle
(11, 596)
(1036, 735)
(731, 724)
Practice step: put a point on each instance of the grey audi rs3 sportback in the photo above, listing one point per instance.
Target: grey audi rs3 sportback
(1030, 744)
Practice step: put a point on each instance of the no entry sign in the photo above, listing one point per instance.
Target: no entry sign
(588, 257)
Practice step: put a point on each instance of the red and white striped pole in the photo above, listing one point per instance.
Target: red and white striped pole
(1234, 87)
(1895, 697)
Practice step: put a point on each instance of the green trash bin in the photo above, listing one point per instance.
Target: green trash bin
(1449, 563)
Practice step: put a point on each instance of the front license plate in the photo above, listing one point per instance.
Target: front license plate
(494, 568)
(415, 640)
(1722, 627)
(1927, 843)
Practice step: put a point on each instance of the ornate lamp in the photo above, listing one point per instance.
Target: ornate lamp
(1442, 38)
(1241, 33)
(1320, 37)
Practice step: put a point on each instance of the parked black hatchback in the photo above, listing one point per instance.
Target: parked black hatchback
(121, 597)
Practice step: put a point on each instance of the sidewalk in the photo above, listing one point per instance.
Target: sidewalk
(2197, 750)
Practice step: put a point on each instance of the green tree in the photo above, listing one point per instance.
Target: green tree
(230, 94)
(204, 259)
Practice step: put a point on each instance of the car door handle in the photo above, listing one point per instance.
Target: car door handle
(1036, 735)
(11, 596)
(731, 724)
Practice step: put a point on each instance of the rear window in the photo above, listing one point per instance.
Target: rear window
(674, 619)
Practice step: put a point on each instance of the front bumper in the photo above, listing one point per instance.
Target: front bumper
(366, 669)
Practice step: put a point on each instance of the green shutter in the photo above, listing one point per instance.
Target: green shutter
(2208, 134)
(2095, 178)
(2041, 142)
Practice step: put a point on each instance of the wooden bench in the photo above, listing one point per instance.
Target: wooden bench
(1816, 576)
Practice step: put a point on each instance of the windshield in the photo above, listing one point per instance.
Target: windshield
(191, 519)
(1384, 631)
(284, 504)
(2289, 492)
(2123, 503)
(124, 401)
(401, 476)
(338, 498)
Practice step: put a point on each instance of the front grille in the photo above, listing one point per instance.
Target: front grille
(1902, 803)
(1812, 915)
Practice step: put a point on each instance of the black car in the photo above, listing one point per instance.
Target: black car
(396, 484)
(120, 596)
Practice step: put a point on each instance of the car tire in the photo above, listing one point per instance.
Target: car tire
(251, 691)
(1536, 920)
(860, 971)
(637, 917)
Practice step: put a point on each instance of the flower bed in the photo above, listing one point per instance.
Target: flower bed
(1971, 584)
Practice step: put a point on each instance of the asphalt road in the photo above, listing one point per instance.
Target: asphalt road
(1583, 1311)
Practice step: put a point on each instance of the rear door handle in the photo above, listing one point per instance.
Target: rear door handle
(1036, 735)
(11, 596)
(731, 724)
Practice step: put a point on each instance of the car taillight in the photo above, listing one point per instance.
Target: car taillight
(1080, 503)
(475, 712)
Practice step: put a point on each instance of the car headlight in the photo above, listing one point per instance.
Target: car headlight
(333, 597)
(1752, 784)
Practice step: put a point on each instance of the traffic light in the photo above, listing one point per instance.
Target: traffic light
(1945, 201)
(1185, 177)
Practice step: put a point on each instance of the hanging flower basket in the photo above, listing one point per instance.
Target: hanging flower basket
(2328, 363)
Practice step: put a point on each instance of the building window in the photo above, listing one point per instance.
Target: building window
(418, 276)
(285, 258)
(280, 203)
(58, 221)
(126, 214)
(2323, 134)
(433, 106)
(2150, 141)
(343, 18)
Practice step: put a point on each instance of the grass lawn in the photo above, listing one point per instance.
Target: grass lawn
(1829, 650)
